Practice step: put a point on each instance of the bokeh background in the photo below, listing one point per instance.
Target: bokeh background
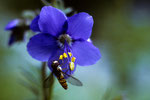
(121, 32)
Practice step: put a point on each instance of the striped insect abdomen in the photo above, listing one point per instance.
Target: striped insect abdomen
(62, 81)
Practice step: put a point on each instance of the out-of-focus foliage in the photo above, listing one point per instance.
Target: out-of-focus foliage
(122, 32)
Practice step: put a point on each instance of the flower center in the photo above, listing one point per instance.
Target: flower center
(66, 59)
(64, 38)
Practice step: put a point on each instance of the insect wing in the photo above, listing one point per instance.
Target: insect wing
(72, 80)
(48, 81)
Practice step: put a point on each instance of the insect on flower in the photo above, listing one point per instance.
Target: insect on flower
(57, 70)
(63, 39)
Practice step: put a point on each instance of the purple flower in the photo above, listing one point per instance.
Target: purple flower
(64, 39)
(17, 28)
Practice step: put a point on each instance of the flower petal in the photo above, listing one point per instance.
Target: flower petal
(11, 39)
(34, 24)
(80, 26)
(86, 53)
(12, 24)
(41, 46)
(51, 20)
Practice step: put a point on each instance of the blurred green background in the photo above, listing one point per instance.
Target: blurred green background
(122, 33)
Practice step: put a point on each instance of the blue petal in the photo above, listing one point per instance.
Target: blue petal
(41, 46)
(51, 20)
(80, 26)
(34, 24)
(12, 24)
(86, 53)
(11, 39)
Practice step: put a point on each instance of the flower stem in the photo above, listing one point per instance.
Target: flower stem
(47, 92)
(45, 2)
(43, 73)
(51, 86)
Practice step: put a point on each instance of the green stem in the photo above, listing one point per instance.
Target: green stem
(43, 72)
(47, 92)
(45, 2)
(51, 81)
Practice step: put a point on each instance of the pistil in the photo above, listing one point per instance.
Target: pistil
(63, 39)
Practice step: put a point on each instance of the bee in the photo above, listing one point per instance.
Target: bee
(57, 71)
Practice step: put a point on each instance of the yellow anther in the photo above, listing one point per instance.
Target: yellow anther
(70, 54)
(61, 57)
(71, 65)
(73, 59)
(65, 55)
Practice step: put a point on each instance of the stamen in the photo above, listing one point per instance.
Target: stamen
(65, 55)
(73, 59)
(70, 54)
(71, 65)
(68, 60)
(61, 57)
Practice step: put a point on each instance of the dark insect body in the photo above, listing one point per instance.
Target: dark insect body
(57, 70)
